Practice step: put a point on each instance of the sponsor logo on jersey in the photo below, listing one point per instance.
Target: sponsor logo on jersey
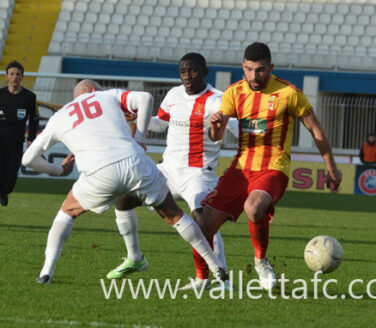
(21, 113)
(273, 102)
(367, 182)
(257, 126)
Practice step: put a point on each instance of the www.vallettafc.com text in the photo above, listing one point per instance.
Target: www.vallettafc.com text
(314, 288)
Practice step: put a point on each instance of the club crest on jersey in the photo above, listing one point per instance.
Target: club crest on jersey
(273, 102)
(21, 113)
(199, 109)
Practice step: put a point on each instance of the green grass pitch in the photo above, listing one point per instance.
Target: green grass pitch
(76, 298)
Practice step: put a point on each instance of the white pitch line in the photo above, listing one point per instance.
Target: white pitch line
(73, 323)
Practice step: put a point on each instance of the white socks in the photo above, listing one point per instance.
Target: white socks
(191, 232)
(59, 232)
(128, 227)
(219, 248)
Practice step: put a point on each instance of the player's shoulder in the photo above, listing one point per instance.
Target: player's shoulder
(238, 86)
(3, 90)
(287, 85)
(216, 92)
(176, 91)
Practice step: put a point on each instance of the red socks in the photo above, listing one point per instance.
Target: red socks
(202, 269)
(260, 236)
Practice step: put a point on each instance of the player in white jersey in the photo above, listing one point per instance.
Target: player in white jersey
(191, 157)
(111, 163)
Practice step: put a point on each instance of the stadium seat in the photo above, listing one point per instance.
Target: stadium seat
(58, 36)
(287, 17)
(64, 16)
(266, 37)
(269, 27)
(91, 18)
(358, 30)
(121, 9)
(215, 35)
(211, 13)
(117, 19)
(181, 22)
(369, 10)
(198, 13)
(172, 11)
(81, 7)
(312, 18)
(108, 8)
(87, 27)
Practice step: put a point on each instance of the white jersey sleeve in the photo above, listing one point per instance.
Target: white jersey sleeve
(233, 126)
(32, 157)
(136, 102)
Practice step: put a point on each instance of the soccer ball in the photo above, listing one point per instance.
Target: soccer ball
(323, 253)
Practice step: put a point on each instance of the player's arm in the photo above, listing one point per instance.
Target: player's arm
(218, 122)
(33, 121)
(142, 103)
(313, 125)
(233, 126)
(157, 124)
(33, 156)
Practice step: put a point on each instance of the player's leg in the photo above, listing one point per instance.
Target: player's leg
(266, 188)
(194, 187)
(224, 203)
(59, 232)
(11, 163)
(127, 222)
(190, 232)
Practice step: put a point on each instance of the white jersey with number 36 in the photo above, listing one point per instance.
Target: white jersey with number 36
(94, 129)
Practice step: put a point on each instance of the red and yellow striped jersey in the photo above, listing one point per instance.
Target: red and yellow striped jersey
(266, 122)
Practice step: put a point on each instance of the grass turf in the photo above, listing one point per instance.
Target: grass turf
(76, 298)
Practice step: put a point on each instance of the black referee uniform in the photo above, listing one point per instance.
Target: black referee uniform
(15, 111)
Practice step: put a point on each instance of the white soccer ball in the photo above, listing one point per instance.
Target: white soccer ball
(323, 253)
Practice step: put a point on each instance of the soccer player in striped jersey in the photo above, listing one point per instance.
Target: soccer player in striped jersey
(191, 157)
(266, 107)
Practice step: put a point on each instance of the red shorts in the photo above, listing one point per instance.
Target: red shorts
(235, 185)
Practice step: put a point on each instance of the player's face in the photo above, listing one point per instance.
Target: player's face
(257, 73)
(14, 77)
(192, 76)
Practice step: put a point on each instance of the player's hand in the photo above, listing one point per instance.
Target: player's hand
(130, 117)
(28, 143)
(334, 180)
(67, 164)
(216, 120)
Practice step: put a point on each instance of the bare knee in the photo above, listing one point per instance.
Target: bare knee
(257, 205)
(253, 211)
(71, 206)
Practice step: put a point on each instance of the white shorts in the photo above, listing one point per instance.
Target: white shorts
(191, 184)
(137, 176)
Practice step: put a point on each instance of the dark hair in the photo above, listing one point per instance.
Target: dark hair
(258, 51)
(16, 64)
(371, 134)
(195, 57)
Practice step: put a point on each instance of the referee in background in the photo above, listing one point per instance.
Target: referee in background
(17, 105)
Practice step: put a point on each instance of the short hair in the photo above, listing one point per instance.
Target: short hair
(258, 51)
(371, 134)
(16, 64)
(195, 57)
